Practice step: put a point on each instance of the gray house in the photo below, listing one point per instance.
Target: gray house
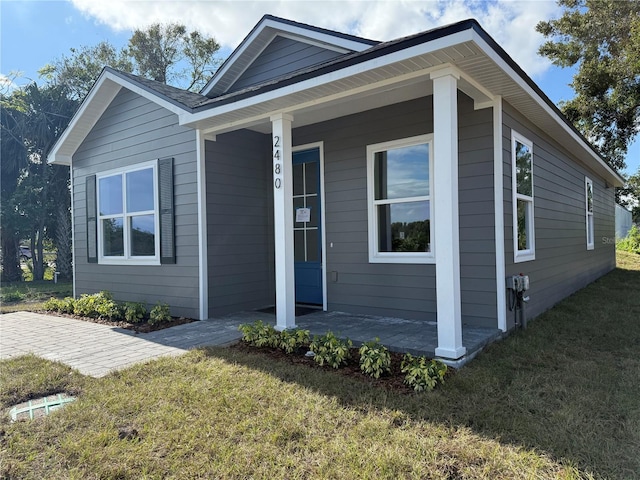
(406, 178)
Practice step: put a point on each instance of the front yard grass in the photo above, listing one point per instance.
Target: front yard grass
(30, 296)
(559, 400)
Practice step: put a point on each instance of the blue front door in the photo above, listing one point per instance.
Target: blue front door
(307, 226)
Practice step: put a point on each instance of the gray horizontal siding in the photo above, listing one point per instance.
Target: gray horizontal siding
(282, 56)
(403, 290)
(240, 222)
(134, 130)
(563, 264)
(362, 287)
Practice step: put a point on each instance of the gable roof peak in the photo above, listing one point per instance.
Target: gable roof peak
(263, 33)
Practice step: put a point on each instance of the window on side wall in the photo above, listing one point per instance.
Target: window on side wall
(399, 189)
(128, 216)
(522, 188)
(588, 194)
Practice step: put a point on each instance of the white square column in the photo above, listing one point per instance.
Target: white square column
(283, 220)
(447, 234)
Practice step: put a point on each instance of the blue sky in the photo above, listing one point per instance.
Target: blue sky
(36, 32)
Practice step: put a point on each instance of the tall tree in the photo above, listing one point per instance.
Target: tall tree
(169, 54)
(79, 70)
(601, 37)
(33, 119)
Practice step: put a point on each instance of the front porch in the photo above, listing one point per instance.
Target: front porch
(402, 335)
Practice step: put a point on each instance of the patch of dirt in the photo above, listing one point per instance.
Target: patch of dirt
(393, 380)
(136, 327)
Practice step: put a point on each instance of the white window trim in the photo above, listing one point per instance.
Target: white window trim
(530, 253)
(128, 259)
(397, 257)
(590, 227)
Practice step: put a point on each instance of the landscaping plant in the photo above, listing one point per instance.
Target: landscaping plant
(159, 314)
(375, 359)
(260, 334)
(330, 350)
(134, 312)
(422, 374)
(291, 340)
(630, 243)
(91, 305)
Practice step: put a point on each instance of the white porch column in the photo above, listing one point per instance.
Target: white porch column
(447, 235)
(283, 220)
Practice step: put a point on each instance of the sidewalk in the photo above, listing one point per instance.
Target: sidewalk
(95, 349)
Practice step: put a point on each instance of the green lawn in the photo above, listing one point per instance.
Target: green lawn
(29, 296)
(559, 400)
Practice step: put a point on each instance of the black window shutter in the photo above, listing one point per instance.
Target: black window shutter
(92, 224)
(165, 191)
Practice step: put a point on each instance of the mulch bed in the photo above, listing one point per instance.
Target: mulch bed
(393, 381)
(136, 327)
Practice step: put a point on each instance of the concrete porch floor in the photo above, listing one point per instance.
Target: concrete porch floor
(398, 334)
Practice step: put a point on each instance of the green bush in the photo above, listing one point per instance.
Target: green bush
(330, 350)
(422, 374)
(259, 334)
(630, 243)
(92, 305)
(159, 314)
(10, 295)
(291, 340)
(134, 312)
(64, 305)
(375, 358)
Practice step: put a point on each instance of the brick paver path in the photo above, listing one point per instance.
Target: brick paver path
(96, 349)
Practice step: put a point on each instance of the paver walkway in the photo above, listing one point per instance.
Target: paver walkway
(96, 349)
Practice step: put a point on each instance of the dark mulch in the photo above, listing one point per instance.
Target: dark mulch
(392, 381)
(136, 327)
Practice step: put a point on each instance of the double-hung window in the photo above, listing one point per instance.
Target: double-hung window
(128, 220)
(588, 187)
(522, 188)
(399, 186)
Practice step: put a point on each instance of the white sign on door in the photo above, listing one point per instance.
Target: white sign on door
(303, 214)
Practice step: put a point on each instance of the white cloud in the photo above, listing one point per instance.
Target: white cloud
(511, 23)
(7, 84)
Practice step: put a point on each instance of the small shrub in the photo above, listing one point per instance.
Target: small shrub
(259, 334)
(159, 314)
(375, 358)
(330, 350)
(291, 340)
(64, 305)
(422, 374)
(9, 295)
(630, 243)
(109, 309)
(134, 312)
(92, 305)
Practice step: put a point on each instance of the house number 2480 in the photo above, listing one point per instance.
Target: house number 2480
(277, 165)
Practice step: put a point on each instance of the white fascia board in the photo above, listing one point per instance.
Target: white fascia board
(493, 55)
(92, 108)
(94, 105)
(188, 118)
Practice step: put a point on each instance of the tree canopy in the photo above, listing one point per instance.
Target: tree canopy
(35, 199)
(159, 51)
(601, 38)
